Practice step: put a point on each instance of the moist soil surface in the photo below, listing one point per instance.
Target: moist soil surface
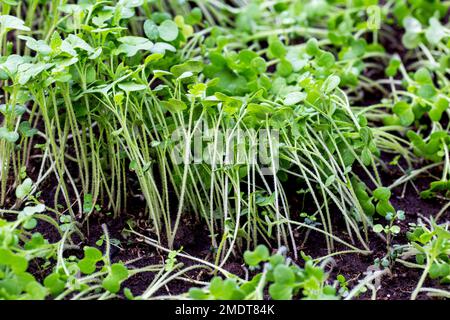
(192, 237)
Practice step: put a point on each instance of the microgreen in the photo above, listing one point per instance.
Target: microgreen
(284, 280)
(24, 189)
(430, 246)
(103, 104)
(88, 264)
(117, 273)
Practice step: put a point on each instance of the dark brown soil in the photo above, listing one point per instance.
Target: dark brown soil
(193, 236)
(397, 286)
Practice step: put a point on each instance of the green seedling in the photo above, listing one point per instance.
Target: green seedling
(383, 206)
(24, 189)
(283, 280)
(431, 247)
(92, 256)
(390, 230)
(171, 261)
(117, 273)
(94, 91)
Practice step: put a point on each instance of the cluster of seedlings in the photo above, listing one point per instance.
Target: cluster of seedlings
(103, 105)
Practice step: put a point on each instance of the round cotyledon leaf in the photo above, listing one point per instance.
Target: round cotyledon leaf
(168, 30)
(254, 258)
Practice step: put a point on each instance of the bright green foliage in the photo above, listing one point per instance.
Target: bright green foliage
(284, 281)
(117, 273)
(88, 264)
(431, 248)
(108, 94)
(254, 258)
(24, 189)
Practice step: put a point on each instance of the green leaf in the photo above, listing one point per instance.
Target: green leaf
(198, 294)
(259, 111)
(191, 65)
(426, 91)
(294, 98)
(276, 259)
(119, 271)
(55, 41)
(26, 130)
(279, 291)
(411, 40)
(378, 228)
(76, 42)
(435, 32)
(383, 207)
(254, 258)
(259, 64)
(439, 270)
(128, 294)
(16, 110)
(438, 109)
(368, 207)
(131, 86)
(393, 67)
(87, 203)
(88, 264)
(284, 68)
(92, 253)
(401, 215)
(24, 188)
(283, 274)
(162, 47)
(395, 229)
(411, 24)
(174, 105)
(117, 275)
(111, 284)
(10, 67)
(37, 45)
(17, 263)
(405, 113)
(312, 47)
(36, 291)
(226, 290)
(28, 71)
(276, 48)
(151, 30)
(326, 59)
(131, 45)
(37, 240)
(198, 89)
(28, 211)
(331, 83)
(423, 76)
(10, 136)
(54, 283)
(366, 156)
(382, 193)
(30, 224)
(8, 22)
(168, 30)
(195, 16)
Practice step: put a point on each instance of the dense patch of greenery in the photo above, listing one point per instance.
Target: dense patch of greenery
(105, 101)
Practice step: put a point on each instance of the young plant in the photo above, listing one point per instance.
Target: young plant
(390, 230)
(430, 245)
(283, 279)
